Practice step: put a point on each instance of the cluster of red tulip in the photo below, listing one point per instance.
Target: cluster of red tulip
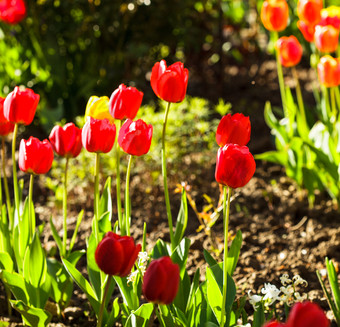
(12, 11)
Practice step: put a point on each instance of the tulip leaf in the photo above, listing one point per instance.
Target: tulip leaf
(104, 223)
(75, 232)
(114, 314)
(56, 236)
(105, 202)
(160, 250)
(74, 257)
(193, 288)
(234, 253)
(92, 267)
(209, 259)
(180, 254)
(6, 262)
(16, 283)
(259, 317)
(182, 219)
(333, 281)
(141, 316)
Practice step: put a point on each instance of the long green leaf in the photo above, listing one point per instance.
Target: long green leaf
(182, 219)
(234, 253)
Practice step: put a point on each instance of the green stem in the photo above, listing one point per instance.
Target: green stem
(30, 197)
(299, 97)
(152, 316)
(127, 197)
(226, 209)
(8, 199)
(102, 305)
(96, 198)
(15, 178)
(333, 105)
(165, 183)
(65, 208)
(326, 113)
(119, 201)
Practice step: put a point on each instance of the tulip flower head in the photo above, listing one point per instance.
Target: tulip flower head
(235, 165)
(161, 281)
(20, 106)
(330, 16)
(98, 108)
(115, 255)
(233, 129)
(125, 102)
(135, 137)
(326, 38)
(274, 324)
(329, 71)
(290, 50)
(274, 15)
(309, 11)
(66, 141)
(6, 126)
(306, 30)
(98, 135)
(169, 83)
(35, 156)
(12, 11)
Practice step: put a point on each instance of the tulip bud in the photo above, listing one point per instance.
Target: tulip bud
(161, 281)
(66, 141)
(12, 11)
(20, 106)
(233, 129)
(290, 50)
(274, 324)
(98, 108)
(98, 135)
(135, 137)
(169, 83)
(115, 255)
(326, 38)
(310, 11)
(235, 165)
(274, 15)
(6, 127)
(125, 102)
(35, 156)
(306, 30)
(329, 71)
(307, 314)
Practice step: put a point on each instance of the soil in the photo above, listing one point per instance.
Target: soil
(281, 232)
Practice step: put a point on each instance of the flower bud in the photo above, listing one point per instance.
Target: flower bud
(6, 126)
(290, 50)
(310, 11)
(12, 11)
(326, 38)
(329, 71)
(306, 30)
(274, 15)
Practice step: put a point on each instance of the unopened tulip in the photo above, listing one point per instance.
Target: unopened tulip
(274, 324)
(12, 11)
(326, 38)
(290, 50)
(169, 83)
(98, 108)
(235, 166)
(274, 15)
(35, 156)
(306, 30)
(6, 126)
(115, 255)
(161, 281)
(66, 141)
(310, 11)
(98, 135)
(233, 129)
(135, 137)
(20, 106)
(125, 102)
(329, 71)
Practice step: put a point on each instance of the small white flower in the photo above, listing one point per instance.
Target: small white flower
(271, 293)
(254, 299)
(287, 295)
(285, 280)
(143, 258)
(297, 280)
(299, 297)
(132, 277)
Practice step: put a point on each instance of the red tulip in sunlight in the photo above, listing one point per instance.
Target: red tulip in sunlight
(306, 30)
(233, 129)
(98, 135)
(329, 71)
(20, 106)
(161, 281)
(274, 324)
(274, 15)
(326, 38)
(290, 50)
(66, 141)
(169, 83)
(330, 16)
(6, 127)
(35, 156)
(12, 11)
(307, 314)
(135, 137)
(310, 11)
(115, 255)
(125, 102)
(235, 165)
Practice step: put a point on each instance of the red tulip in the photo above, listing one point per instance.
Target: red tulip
(98, 135)
(135, 137)
(20, 106)
(35, 156)
(125, 102)
(329, 71)
(310, 11)
(235, 165)
(12, 11)
(326, 38)
(161, 281)
(307, 314)
(66, 141)
(330, 16)
(290, 50)
(274, 324)
(233, 129)
(274, 15)
(306, 30)
(6, 127)
(115, 255)
(169, 83)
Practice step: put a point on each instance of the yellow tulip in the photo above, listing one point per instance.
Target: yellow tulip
(98, 108)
